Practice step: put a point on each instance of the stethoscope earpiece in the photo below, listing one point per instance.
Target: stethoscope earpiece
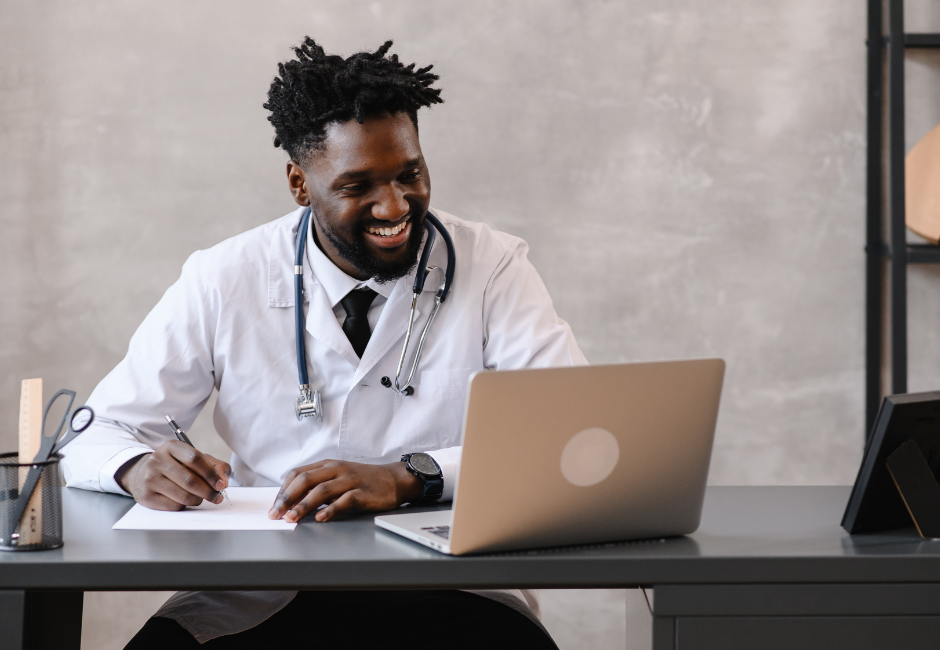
(408, 390)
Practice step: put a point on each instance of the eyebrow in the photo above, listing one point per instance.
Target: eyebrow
(359, 173)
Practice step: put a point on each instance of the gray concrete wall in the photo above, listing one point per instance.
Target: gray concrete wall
(690, 176)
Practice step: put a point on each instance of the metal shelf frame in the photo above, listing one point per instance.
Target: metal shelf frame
(887, 43)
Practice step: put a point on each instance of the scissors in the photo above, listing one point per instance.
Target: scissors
(50, 446)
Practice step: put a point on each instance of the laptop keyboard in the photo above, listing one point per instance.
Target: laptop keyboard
(440, 531)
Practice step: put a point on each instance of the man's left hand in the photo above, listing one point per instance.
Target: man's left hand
(341, 486)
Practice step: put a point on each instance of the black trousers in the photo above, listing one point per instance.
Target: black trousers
(368, 619)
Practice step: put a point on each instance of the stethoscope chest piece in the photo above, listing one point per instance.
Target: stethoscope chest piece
(308, 404)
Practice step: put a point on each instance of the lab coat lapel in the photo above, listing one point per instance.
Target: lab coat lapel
(281, 261)
(391, 327)
(321, 323)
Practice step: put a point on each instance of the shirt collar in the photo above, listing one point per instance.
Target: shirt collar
(335, 282)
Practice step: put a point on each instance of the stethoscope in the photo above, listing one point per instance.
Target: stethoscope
(308, 404)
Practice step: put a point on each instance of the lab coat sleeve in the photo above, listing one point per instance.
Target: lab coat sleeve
(521, 330)
(449, 462)
(168, 369)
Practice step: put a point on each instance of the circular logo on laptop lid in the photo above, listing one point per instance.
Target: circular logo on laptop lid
(589, 457)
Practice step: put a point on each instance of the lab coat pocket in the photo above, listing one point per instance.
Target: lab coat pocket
(443, 384)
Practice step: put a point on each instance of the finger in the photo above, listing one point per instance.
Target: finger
(223, 468)
(197, 462)
(348, 501)
(321, 494)
(189, 481)
(175, 493)
(289, 478)
(298, 488)
(156, 501)
(294, 473)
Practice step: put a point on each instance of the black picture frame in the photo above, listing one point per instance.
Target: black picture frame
(875, 503)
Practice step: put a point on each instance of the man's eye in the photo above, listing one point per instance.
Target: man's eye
(353, 189)
(410, 176)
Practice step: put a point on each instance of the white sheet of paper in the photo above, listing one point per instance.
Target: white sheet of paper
(247, 511)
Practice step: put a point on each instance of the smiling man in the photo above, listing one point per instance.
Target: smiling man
(350, 127)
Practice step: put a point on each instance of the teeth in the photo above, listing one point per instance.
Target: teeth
(388, 232)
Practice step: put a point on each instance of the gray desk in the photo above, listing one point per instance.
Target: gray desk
(769, 568)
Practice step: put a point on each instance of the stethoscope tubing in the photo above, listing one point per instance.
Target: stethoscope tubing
(426, 254)
(299, 298)
(433, 227)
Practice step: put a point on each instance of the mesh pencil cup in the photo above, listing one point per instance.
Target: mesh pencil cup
(41, 526)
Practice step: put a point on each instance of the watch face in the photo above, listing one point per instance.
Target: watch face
(424, 464)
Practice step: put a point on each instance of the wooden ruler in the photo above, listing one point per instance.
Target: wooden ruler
(30, 439)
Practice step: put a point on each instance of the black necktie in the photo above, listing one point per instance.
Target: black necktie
(356, 326)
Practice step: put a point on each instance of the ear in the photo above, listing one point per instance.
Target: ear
(297, 181)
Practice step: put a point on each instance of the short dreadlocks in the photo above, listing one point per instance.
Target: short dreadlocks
(315, 90)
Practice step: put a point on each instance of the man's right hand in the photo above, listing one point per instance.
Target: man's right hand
(174, 476)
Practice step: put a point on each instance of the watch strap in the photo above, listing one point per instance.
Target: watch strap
(432, 486)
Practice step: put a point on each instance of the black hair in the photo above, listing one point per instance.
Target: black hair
(316, 89)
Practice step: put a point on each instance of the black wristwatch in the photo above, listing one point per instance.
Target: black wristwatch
(426, 468)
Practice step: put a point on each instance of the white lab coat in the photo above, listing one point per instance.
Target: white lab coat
(228, 324)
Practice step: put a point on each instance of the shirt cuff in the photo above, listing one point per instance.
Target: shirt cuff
(106, 479)
(449, 461)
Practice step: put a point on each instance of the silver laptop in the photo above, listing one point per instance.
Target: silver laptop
(578, 455)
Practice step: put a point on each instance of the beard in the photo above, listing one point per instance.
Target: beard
(355, 251)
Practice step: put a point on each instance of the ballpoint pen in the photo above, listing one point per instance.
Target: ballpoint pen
(182, 437)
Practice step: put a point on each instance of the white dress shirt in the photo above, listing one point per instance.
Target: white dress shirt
(337, 284)
(228, 324)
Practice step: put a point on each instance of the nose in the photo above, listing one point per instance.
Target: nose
(391, 204)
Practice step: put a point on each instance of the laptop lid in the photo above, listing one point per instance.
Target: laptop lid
(585, 454)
